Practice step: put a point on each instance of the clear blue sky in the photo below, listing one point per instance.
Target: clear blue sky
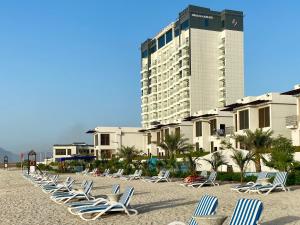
(66, 66)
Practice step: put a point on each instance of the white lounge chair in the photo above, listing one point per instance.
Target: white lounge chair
(244, 187)
(163, 178)
(277, 185)
(73, 206)
(210, 181)
(121, 206)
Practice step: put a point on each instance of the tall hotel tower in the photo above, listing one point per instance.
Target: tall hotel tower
(195, 63)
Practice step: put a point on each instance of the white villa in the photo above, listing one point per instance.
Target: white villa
(107, 140)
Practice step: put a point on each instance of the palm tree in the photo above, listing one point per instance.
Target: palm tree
(174, 143)
(128, 153)
(217, 160)
(242, 160)
(256, 142)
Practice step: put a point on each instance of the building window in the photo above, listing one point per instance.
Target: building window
(149, 138)
(206, 22)
(177, 131)
(177, 32)
(213, 126)
(96, 140)
(235, 122)
(158, 137)
(69, 152)
(244, 119)
(166, 132)
(60, 152)
(185, 25)
(223, 23)
(105, 139)
(161, 41)
(264, 117)
(198, 129)
(169, 36)
(162, 135)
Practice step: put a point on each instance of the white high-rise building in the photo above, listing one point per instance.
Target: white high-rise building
(194, 64)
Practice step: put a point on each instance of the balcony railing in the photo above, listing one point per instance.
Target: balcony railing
(291, 121)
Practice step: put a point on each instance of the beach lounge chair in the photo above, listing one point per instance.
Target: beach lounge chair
(65, 186)
(69, 189)
(165, 177)
(207, 205)
(244, 187)
(277, 185)
(119, 173)
(160, 174)
(105, 173)
(247, 212)
(121, 206)
(73, 206)
(124, 177)
(210, 181)
(78, 195)
(138, 175)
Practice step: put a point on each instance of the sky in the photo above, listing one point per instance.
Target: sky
(67, 65)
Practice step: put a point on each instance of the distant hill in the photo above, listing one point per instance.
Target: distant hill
(11, 156)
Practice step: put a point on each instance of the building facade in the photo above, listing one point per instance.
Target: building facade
(68, 150)
(193, 64)
(154, 136)
(293, 121)
(210, 128)
(108, 140)
(266, 112)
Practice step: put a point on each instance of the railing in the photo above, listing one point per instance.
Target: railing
(291, 121)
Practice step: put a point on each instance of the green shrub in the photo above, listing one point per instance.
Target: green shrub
(293, 178)
(297, 148)
(231, 176)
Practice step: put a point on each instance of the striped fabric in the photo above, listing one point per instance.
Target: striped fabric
(280, 178)
(212, 177)
(207, 206)
(126, 197)
(87, 189)
(247, 212)
(167, 174)
(115, 189)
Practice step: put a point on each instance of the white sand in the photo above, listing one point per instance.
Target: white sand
(159, 204)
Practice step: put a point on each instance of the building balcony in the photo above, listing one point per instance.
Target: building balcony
(221, 57)
(221, 46)
(291, 122)
(229, 130)
(221, 67)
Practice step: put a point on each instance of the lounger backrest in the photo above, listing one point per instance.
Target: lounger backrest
(212, 176)
(247, 212)
(115, 189)
(167, 174)
(207, 205)
(69, 184)
(88, 187)
(140, 172)
(262, 175)
(108, 170)
(121, 172)
(83, 184)
(126, 197)
(280, 178)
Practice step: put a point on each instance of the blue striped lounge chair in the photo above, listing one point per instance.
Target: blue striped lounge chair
(121, 206)
(78, 195)
(148, 179)
(277, 185)
(74, 206)
(247, 212)
(244, 187)
(164, 178)
(207, 205)
(209, 181)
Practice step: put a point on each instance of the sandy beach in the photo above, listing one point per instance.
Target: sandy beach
(158, 204)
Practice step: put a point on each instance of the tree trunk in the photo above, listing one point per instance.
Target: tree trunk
(257, 163)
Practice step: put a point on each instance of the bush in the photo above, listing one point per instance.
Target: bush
(293, 178)
(297, 148)
(231, 176)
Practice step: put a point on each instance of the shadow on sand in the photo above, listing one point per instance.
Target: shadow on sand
(282, 220)
(152, 206)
